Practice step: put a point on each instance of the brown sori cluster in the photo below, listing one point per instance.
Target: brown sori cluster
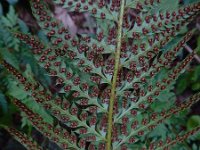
(12, 70)
(27, 85)
(27, 142)
(64, 113)
(150, 48)
(128, 118)
(154, 90)
(51, 104)
(96, 8)
(170, 142)
(56, 134)
(142, 127)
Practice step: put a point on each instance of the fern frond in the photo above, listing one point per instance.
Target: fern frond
(27, 142)
(57, 134)
(98, 9)
(58, 107)
(178, 139)
(3, 103)
(107, 81)
(150, 121)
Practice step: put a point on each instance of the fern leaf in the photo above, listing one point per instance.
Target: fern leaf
(107, 81)
(3, 103)
(27, 142)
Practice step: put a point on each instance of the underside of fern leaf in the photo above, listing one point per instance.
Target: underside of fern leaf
(109, 80)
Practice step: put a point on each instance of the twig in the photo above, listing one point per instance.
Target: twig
(189, 49)
(198, 26)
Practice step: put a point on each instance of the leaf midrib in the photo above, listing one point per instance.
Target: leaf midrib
(114, 80)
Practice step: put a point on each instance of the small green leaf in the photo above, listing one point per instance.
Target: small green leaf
(3, 103)
(10, 58)
(12, 2)
(19, 93)
(198, 45)
(12, 17)
(196, 86)
(1, 10)
(23, 27)
(6, 22)
(193, 122)
(181, 86)
(159, 131)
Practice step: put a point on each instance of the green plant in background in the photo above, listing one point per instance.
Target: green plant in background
(17, 54)
(111, 87)
(189, 79)
(7, 43)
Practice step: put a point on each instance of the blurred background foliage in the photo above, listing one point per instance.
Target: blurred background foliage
(18, 55)
(14, 19)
